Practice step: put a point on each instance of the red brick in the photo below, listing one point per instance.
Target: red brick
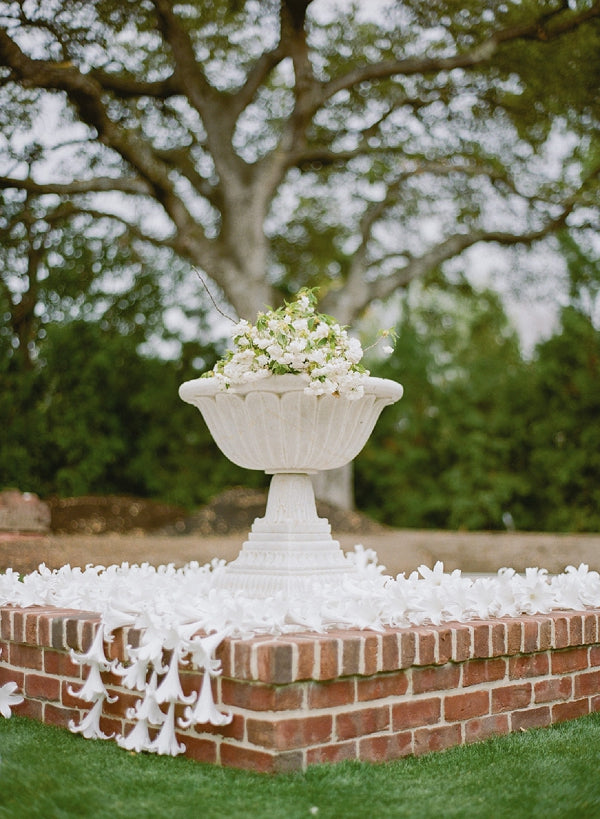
(482, 671)
(68, 699)
(327, 658)
(481, 639)
(384, 748)
(6, 623)
(286, 734)
(510, 697)
(390, 651)
(241, 659)
(463, 643)
(528, 665)
(556, 688)
(332, 693)
(587, 684)
(514, 636)
(545, 634)
(531, 718)
(415, 713)
(425, 646)
(561, 631)
(360, 723)
(335, 752)
(590, 628)
(464, 706)
(570, 710)
(408, 649)
(23, 656)
(382, 686)
(444, 650)
(595, 703)
(202, 750)
(224, 655)
(18, 626)
(306, 658)
(233, 730)
(435, 679)
(498, 639)
(124, 701)
(236, 756)
(8, 674)
(484, 727)
(261, 697)
(34, 709)
(370, 664)
(275, 662)
(55, 715)
(436, 739)
(594, 656)
(40, 687)
(60, 664)
(576, 630)
(574, 659)
(31, 627)
(531, 628)
(351, 653)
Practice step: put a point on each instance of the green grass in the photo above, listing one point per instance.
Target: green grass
(47, 772)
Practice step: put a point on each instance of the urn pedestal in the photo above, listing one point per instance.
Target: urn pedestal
(275, 426)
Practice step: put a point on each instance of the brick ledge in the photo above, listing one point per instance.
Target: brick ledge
(304, 698)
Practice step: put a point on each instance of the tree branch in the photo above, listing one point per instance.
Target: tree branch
(100, 184)
(539, 29)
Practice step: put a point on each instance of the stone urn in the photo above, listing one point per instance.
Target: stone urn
(275, 426)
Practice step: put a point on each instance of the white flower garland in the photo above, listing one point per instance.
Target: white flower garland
(170, 606)
(295, 339)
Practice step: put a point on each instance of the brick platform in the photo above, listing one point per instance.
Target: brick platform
(308, 698)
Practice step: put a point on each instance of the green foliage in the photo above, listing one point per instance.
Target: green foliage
(100, 418)
(482, 438)
(547, 773)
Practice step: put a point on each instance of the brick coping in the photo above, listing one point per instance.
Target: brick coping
(304, 698)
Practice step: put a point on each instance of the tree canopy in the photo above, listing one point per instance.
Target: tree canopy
(276, 144)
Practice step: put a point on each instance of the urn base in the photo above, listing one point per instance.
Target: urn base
(291, 548)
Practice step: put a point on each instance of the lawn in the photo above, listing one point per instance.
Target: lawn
(47, 772)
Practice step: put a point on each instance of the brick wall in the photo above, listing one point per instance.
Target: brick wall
(302, 699)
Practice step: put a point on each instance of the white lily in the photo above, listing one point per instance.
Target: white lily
(170, 689)
(8, 698)
(95, 654)
(93, 688)
(166, 741)
(137, 739)
(205, 710)
(89, 727)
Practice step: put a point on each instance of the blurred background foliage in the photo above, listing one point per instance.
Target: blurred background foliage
(485, 437)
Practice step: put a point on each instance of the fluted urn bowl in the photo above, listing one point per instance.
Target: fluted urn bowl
(275, 426)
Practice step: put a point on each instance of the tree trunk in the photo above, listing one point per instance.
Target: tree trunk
(335, 486)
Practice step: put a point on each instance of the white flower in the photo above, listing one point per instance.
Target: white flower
(137, 739)
(8, 698)
(89, 726)
(295, 339)
(205, 710)
(166, 741)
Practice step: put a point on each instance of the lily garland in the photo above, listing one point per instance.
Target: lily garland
(184, 614)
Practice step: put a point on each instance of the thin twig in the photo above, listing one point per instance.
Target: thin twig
(210, 296)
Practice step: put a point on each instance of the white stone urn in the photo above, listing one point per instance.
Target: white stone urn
(275, 426)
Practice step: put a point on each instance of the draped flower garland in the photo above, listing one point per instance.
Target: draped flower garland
(184, 614)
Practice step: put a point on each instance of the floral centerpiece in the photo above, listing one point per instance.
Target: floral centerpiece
(291, 398)
(295, 339)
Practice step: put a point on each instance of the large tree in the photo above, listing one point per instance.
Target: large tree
(273, 144)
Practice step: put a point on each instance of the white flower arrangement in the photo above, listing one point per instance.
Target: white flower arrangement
(295, 339)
